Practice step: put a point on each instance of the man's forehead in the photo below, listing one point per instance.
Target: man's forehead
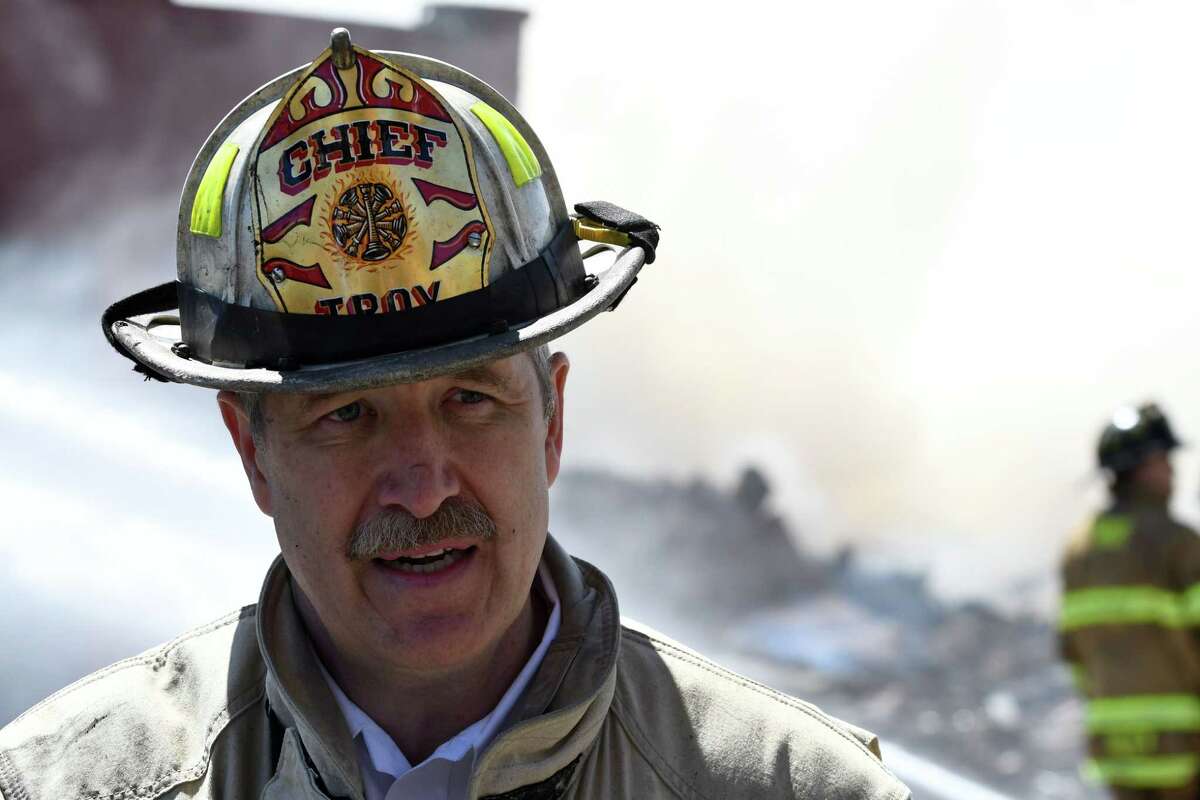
(503, 374)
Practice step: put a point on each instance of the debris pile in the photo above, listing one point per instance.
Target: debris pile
(972, 689)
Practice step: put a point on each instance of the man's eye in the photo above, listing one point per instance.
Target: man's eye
(347, 413)
(470, 398)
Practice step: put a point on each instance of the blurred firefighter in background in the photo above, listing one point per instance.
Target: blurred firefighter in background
(1131, 599)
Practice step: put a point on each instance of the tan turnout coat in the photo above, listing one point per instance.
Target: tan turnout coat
(238, 709)
(1129, 629)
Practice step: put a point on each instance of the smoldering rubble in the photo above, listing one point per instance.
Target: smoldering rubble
(967, 686)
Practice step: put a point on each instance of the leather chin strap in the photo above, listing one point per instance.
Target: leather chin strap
(154, 300)
(637, 229)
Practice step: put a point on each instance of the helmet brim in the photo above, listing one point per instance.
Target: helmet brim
(153, 340)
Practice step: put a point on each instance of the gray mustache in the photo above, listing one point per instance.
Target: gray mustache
(396, 529)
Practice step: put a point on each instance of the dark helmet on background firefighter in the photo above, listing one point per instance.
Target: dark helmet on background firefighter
(371, 218)
(1131, 435)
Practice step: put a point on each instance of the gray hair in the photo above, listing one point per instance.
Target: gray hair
(252, 402)
(540, 356)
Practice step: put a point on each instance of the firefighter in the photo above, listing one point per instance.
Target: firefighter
(1131, 601)
(373, 255)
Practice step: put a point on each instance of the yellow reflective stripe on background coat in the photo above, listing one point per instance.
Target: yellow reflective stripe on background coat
(1152, 712)
(1123, 605)
(1145, 772)
(1111, 531)
(1190, 600)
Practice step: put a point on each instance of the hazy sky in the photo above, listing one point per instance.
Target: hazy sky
(913, 253)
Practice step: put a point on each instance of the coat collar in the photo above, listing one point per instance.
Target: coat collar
(297, 693)
(565, 704)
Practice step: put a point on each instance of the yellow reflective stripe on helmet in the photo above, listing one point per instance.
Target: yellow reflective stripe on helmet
(1151, 712)
(1120, 605)
(210, 194)
(522, 163)
(1145, 772)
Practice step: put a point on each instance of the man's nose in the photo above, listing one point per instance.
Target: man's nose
(416, 471)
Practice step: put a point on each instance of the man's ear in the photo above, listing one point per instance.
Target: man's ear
(559, 367)
(237, 421)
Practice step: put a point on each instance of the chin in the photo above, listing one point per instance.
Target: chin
(441, 642)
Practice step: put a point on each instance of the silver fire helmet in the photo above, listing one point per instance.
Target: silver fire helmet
(371, 218)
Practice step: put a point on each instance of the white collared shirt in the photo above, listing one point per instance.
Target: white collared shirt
(444, 775)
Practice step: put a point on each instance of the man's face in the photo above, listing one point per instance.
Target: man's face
(1155, 475)
(333, 470)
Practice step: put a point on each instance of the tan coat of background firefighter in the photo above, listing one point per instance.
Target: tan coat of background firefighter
(1131, 603)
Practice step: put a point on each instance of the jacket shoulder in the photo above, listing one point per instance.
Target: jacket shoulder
(141, 726)
(1159, 521)
(712, 733)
